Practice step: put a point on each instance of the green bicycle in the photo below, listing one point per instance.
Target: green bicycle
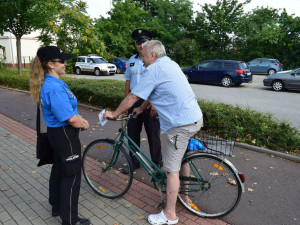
(213, 185)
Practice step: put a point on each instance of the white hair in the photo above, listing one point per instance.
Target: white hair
(154, 46)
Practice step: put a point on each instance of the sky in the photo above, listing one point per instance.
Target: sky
(101, 7)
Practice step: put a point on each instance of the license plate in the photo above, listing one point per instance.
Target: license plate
(248, 73)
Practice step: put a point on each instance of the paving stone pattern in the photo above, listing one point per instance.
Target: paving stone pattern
(24, 189)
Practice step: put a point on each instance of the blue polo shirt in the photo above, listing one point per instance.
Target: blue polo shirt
(165, 86)
(134, 70)
(58, 102)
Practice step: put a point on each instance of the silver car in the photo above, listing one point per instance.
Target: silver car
(284, 80)
(94, 64)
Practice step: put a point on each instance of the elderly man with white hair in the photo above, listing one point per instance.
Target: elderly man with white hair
(165, 87)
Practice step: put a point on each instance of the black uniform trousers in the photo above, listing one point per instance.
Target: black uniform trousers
(152, 127)
(64, 184)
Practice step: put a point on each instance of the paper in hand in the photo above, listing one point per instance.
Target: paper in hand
(102, 121)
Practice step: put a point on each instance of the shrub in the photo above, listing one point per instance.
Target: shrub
(253, 127)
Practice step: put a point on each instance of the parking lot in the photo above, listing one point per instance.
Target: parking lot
(282, 105)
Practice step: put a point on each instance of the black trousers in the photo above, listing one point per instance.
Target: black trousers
(152, 128)
(64, 184)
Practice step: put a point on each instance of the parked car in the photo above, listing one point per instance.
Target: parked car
(224, 72)
(120, 63)
(284, 80)
(265, 65)
(94, 64)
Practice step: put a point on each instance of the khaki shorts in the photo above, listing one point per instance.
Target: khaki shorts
(176, 144)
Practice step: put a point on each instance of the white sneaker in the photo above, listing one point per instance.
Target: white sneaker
(157, 219)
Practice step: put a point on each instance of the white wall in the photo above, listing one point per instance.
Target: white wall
(29, 47)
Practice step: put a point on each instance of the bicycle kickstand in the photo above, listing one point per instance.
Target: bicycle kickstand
(162, 205)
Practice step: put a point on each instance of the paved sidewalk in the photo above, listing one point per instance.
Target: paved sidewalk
(24, 189)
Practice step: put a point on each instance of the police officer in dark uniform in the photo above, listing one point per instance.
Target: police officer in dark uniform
(149, 118)
(59, 107)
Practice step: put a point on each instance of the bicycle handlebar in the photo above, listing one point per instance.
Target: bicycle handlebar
(127, 117)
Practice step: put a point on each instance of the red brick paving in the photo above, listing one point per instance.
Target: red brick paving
(140, 194)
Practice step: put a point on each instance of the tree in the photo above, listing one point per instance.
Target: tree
(116, 30)
(71, 29)
(220, 25)
(21, 17)
(289, 37)
(169, 22)
(257, 34)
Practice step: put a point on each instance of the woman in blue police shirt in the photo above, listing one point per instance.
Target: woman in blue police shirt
(59, 107)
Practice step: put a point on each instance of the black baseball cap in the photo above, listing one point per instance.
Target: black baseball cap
(141, 35)
(52, 52)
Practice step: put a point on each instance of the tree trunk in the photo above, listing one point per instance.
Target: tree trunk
(19, 56)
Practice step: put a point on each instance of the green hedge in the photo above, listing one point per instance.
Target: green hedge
(253, 127)
(100, 93)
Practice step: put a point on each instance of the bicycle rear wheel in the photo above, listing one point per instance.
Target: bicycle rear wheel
(212, 186)
(102, 165)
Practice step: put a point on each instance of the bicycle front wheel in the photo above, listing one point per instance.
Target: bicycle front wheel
(209, 187)
(102, 164)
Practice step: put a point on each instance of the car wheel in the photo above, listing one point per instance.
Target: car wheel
(188, 77)
(77, 70)
(97, 72)
(119, 70)
(271, 71)
(277, 85)
(226, 81)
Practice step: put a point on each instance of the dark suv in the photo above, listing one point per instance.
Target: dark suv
(224, 72)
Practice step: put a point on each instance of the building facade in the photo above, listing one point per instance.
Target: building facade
(8, 51)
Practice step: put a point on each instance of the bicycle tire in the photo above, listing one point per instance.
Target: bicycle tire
(217, 191)
(105, 179)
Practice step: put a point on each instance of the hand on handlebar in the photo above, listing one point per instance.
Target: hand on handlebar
(108, 115)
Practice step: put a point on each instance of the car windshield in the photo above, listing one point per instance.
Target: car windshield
(99, 60)
(124, 59)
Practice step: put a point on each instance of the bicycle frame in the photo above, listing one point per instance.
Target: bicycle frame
(141, 156)
(156, 174)
(154, 171)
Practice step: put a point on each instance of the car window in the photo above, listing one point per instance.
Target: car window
(228, 65)
(218, 65)
(265, 61)
(297, 71)
(243, 66)
(80, 59)
(90, 60)
(205, 65)
(99, 60)
(255, 61)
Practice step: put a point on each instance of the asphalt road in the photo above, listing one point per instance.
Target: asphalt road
(284, 106)
(272, 187)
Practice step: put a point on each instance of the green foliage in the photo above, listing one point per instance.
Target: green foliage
(71, 29)
(101, 93)
(116, 30)
(10, 78)
(21, 17)
(253, 127)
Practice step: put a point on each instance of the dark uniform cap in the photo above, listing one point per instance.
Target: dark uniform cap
(52, 52)
(141, 35)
